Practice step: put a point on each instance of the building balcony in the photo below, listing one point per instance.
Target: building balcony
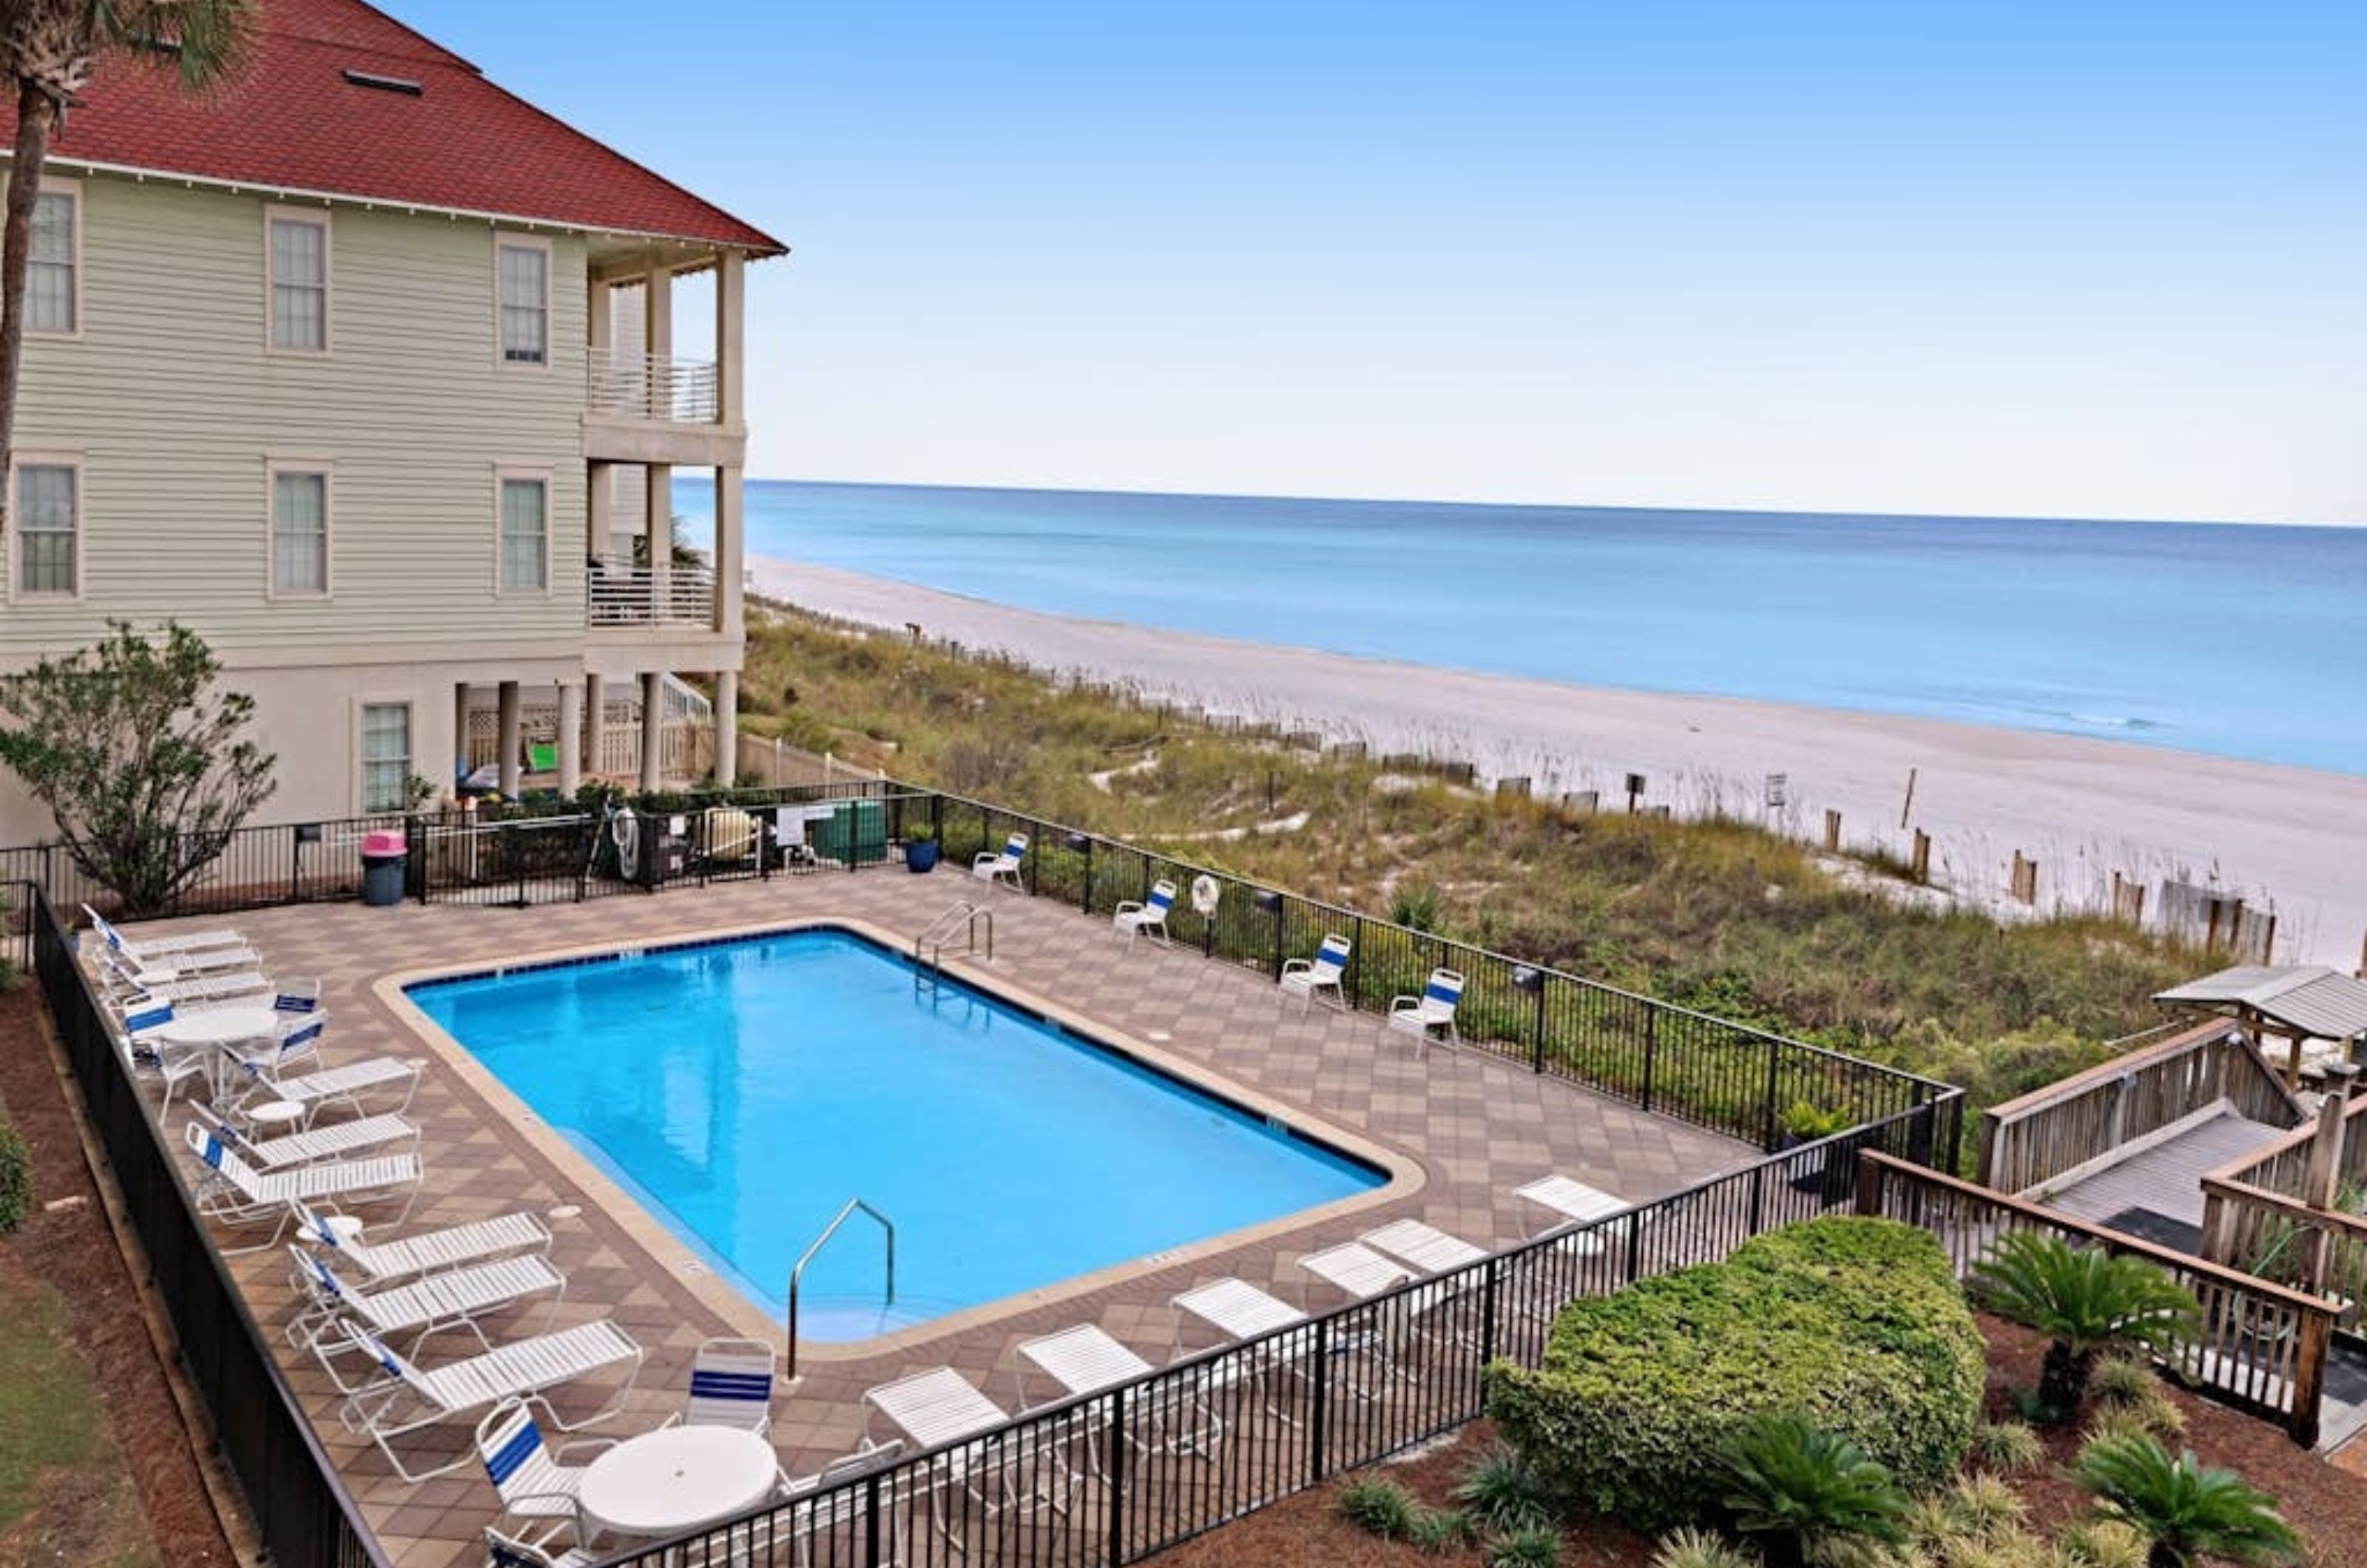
(680, 598)
(647, 408)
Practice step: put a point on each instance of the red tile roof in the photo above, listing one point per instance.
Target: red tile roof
(290, 120)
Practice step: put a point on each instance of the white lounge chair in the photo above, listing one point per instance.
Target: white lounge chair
(435, 1301)
(731, 1385)
(128, 984)
(540, 1543)
(456, 1245)
(159, 947)
(1323, 975)
(991, 866)
(840, 1515)
(533, 1483)
(1430, 1013)
(343, 1085)
(153, 969)
(313, 1144)
(237, 1194)
(409, 1398)
(1148, 918)
(295, 1039)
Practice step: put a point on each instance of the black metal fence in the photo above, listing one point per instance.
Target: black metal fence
(301, 1509)
(1115, 1476)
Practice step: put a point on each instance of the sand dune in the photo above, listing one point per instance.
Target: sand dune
(2288, 839)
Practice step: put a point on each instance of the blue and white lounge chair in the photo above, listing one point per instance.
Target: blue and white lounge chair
(313, 1144)
(237, 1194)
(385, 1262)
(294, 1040)
(1430, 1012)
(345, 1086)
(533, 1483)
(1004, 866)
(409, 1398)
(1323, 973)
(1149, 917)
(158, 947)
(127, 983)
(435, 1301)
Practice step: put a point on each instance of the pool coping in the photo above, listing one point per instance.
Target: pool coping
(1403, 1175)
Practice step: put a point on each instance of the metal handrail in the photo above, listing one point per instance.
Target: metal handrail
(798, 1274)
(966, 914)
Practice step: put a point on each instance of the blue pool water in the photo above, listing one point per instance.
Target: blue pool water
(745, 1090)
(2243, 641)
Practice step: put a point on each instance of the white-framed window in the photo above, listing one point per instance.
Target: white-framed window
(48, 543)
(522, 271)
(296, 259)
(523, 526)
(300, 530)
(386, 756)
(53, 266)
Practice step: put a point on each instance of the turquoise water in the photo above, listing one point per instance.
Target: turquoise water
(2244, 641)
(745, 1090)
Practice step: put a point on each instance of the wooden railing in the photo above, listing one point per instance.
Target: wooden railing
(2030, 1141)
(2257, 1214)
(2259, 1347)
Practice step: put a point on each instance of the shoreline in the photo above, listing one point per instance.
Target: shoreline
(2279, 836)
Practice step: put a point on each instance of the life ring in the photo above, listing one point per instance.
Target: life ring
(1205, 894)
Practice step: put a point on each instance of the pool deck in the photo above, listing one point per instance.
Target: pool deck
(1473, 1129)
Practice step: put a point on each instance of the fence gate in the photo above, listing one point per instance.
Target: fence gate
(543, 859)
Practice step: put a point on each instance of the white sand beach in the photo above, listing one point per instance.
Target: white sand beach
(2287, 839)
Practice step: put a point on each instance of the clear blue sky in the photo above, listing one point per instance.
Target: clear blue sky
(2056, 259)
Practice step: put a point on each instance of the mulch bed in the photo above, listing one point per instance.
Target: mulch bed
(2326, 1503)
(74, 1249)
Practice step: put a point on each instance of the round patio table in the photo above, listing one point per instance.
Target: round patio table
(677, 1479)
(218, 1026)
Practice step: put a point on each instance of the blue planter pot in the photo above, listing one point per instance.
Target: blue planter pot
(921, 856)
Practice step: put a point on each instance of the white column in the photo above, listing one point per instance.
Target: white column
(570, 738)
(460, 732)
(726, 726)
(658, 502)
(657, 339)
(508, 695)
(599, 510)
(653, 729)
(731, 553)
(595, 721)
(731, 315)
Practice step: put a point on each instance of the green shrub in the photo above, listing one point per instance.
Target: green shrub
(1504, 1493)
(2105, 1543)
(1982, 1507)
(1855, 1324)
(2186, 1510)
(16, 1178)
(1381, 1506)
(1687, 1547)
(1792, 1485)
(2008, 1448)
(2124, 1379)
(1435, 1531)
(1531, 1546)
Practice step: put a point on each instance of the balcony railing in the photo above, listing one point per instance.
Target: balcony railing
(644, 386)
(636, 596)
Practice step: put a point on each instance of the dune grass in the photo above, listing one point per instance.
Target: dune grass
(1721, 916)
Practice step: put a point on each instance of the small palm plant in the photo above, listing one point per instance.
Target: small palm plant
(2186, 1511)
(1795, 1485)
(2086, 1302)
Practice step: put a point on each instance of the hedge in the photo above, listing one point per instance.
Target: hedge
(1857, 1323)
(16, 1178)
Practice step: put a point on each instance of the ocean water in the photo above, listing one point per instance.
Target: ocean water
(2245, 641)
(745, 1090)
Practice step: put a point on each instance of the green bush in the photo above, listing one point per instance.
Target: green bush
(1855, 1324)
(16, 1178)
(1381, 1506)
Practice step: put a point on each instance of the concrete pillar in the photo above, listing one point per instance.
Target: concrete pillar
(595, 721)
(731, 553)
(599, 510)
(508, 695)
(658, 497)
(570, 738)
(599, 324)
(460, 731)
(726, 726)
(731, 332)
(657, 341)
(653, 729)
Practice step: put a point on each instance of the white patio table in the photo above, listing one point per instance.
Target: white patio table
(679, 1478)
(216, 1029)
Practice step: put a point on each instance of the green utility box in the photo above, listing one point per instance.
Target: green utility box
(855, 834)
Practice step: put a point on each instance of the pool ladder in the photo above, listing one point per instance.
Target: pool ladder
(798, 1274)
(962, 919)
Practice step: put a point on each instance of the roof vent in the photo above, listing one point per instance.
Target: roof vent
(402, 85)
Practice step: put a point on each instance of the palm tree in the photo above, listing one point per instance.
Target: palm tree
(2085, 1300)
(2184, 1510)
(52, 47)
(1794, 1485)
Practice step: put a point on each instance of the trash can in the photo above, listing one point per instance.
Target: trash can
(383, 866)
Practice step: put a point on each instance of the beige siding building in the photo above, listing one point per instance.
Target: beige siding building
(352, 398)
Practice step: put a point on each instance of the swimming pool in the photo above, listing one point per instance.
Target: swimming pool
(742, 1090)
